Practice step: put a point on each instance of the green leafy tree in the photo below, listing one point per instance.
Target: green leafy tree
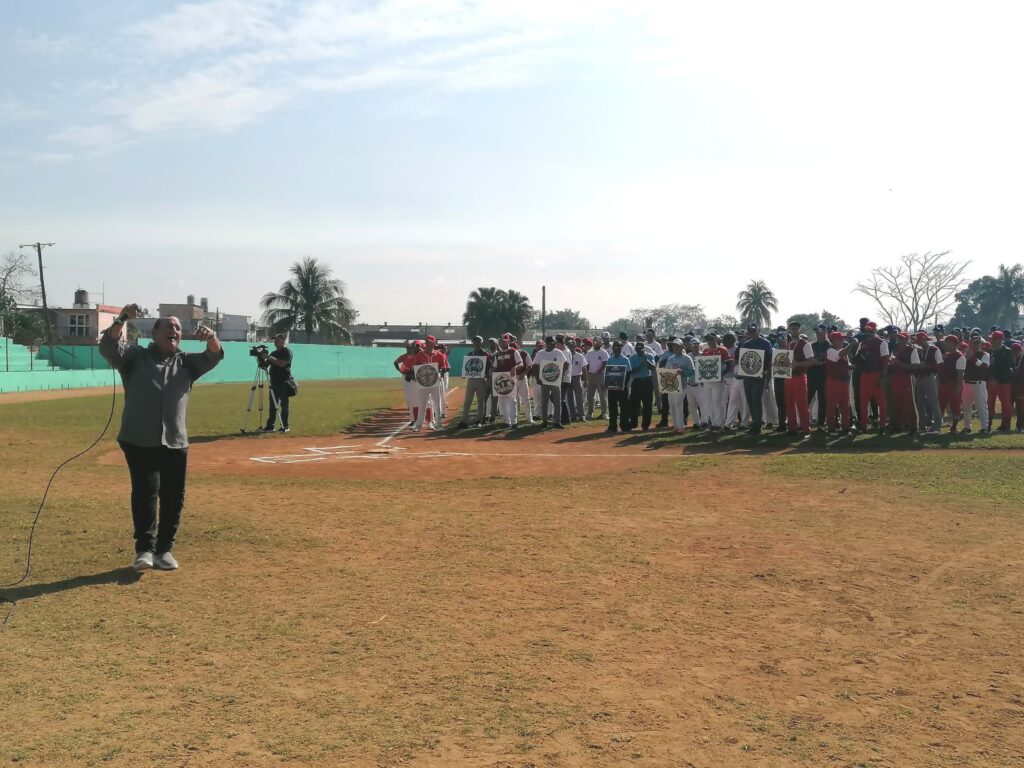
(724, 323)
(568, 319)
(755, 303)
(311, 301)
(627, 324)
(992, 300)
(493, 311)
(813, 320)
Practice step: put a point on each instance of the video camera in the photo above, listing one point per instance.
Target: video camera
(260, 352)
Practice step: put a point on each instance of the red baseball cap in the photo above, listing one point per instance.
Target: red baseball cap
(903, 335)
(921, 336)
(951, 339)
(506, 336)
(872, 325)
(836, 336)
(1017, 345)
(997, 335)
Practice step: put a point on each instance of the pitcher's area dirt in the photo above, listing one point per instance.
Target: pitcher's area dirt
(562, 600)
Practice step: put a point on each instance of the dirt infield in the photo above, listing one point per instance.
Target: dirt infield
(558, 599)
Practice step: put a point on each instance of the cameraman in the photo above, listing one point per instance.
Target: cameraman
(279, 366)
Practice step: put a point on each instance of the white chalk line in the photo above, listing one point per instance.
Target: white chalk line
(405, 424)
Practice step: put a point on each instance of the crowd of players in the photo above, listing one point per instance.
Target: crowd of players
(841, 381)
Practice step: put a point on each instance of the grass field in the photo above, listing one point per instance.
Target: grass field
(722, 603)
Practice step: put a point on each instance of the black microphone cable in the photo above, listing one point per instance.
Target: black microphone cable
(42, 504)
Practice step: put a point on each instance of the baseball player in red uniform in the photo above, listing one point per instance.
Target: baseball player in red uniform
(427, 398)
(951, 381)
(902, 364)
(797, 408)
(408, 385)
(874, 352)
(837, 383)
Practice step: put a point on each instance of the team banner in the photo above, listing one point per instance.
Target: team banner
(503, 383)
(782, 363)
(474, 366)
(709, 369)
(750, 362)
(551, 372)
(615, 377)
(427, 375)
(669, 381)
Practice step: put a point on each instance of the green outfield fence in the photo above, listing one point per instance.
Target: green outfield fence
(26, 370)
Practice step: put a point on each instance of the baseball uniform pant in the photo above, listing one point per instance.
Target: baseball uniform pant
(715, 397)
(475, 388)
(426, 405)
(736, 404)
(951, 400)
(442, 405)
(837, 398)
(523, 399)
(677, 409)
(975, 397)
(507, 408)
(551, 403)
(409, 390)
(871, 388)
(692, 408)
(901, 390)
(596, 390)
(780, 400)
(1000, 392)
(798, 414)
(926, 396)
(769, 405)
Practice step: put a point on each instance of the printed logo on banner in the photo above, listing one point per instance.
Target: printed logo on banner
(750, 362)
(709, 369)
(782, 364)
(669, 380)
(503, 383)
(474, 366)
(427, 375)
(615, 377)
(551, 372)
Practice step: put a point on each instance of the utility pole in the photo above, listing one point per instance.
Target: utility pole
(42, 287)
(543, 311)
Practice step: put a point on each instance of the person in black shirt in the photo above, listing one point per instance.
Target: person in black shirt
(816, 373)
(279, 368)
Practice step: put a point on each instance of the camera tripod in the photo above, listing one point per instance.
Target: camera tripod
(260, 382)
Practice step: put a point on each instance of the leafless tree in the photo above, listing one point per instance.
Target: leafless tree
(15, 269)
(918, 291)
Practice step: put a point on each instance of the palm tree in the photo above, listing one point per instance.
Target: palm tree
(312, 301)
(754, 302)
(1003, 295)
(492, 311)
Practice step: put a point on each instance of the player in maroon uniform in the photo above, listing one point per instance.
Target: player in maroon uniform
(874, 354)
(837, 382)
(951, 381)
(902, 365)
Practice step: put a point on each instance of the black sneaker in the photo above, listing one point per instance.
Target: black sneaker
(268, 428)
(284, 430)
(559, 425)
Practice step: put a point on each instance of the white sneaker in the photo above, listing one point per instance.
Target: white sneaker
(143, 561)
(165, 562)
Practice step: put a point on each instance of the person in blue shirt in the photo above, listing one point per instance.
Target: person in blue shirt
(641, 387)
(618, 405)
(753, 386)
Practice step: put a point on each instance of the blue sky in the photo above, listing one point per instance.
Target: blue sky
(623, 154)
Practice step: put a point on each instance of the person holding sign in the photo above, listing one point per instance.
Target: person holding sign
(754, 386)
(641, 387)
(476, 385)
(616, 371)
(677, 359)
(715, 392)
(428, 397)
(549, 366)
(798, 412)
(506, 361)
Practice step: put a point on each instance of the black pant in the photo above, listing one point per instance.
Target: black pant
(157, 473)
(567, 398)
(618, 409)
(663, 410)
(279, 397)
(753, 389)
(641, 398)
(816, 386)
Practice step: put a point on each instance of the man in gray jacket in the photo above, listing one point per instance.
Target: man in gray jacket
(157, 381)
